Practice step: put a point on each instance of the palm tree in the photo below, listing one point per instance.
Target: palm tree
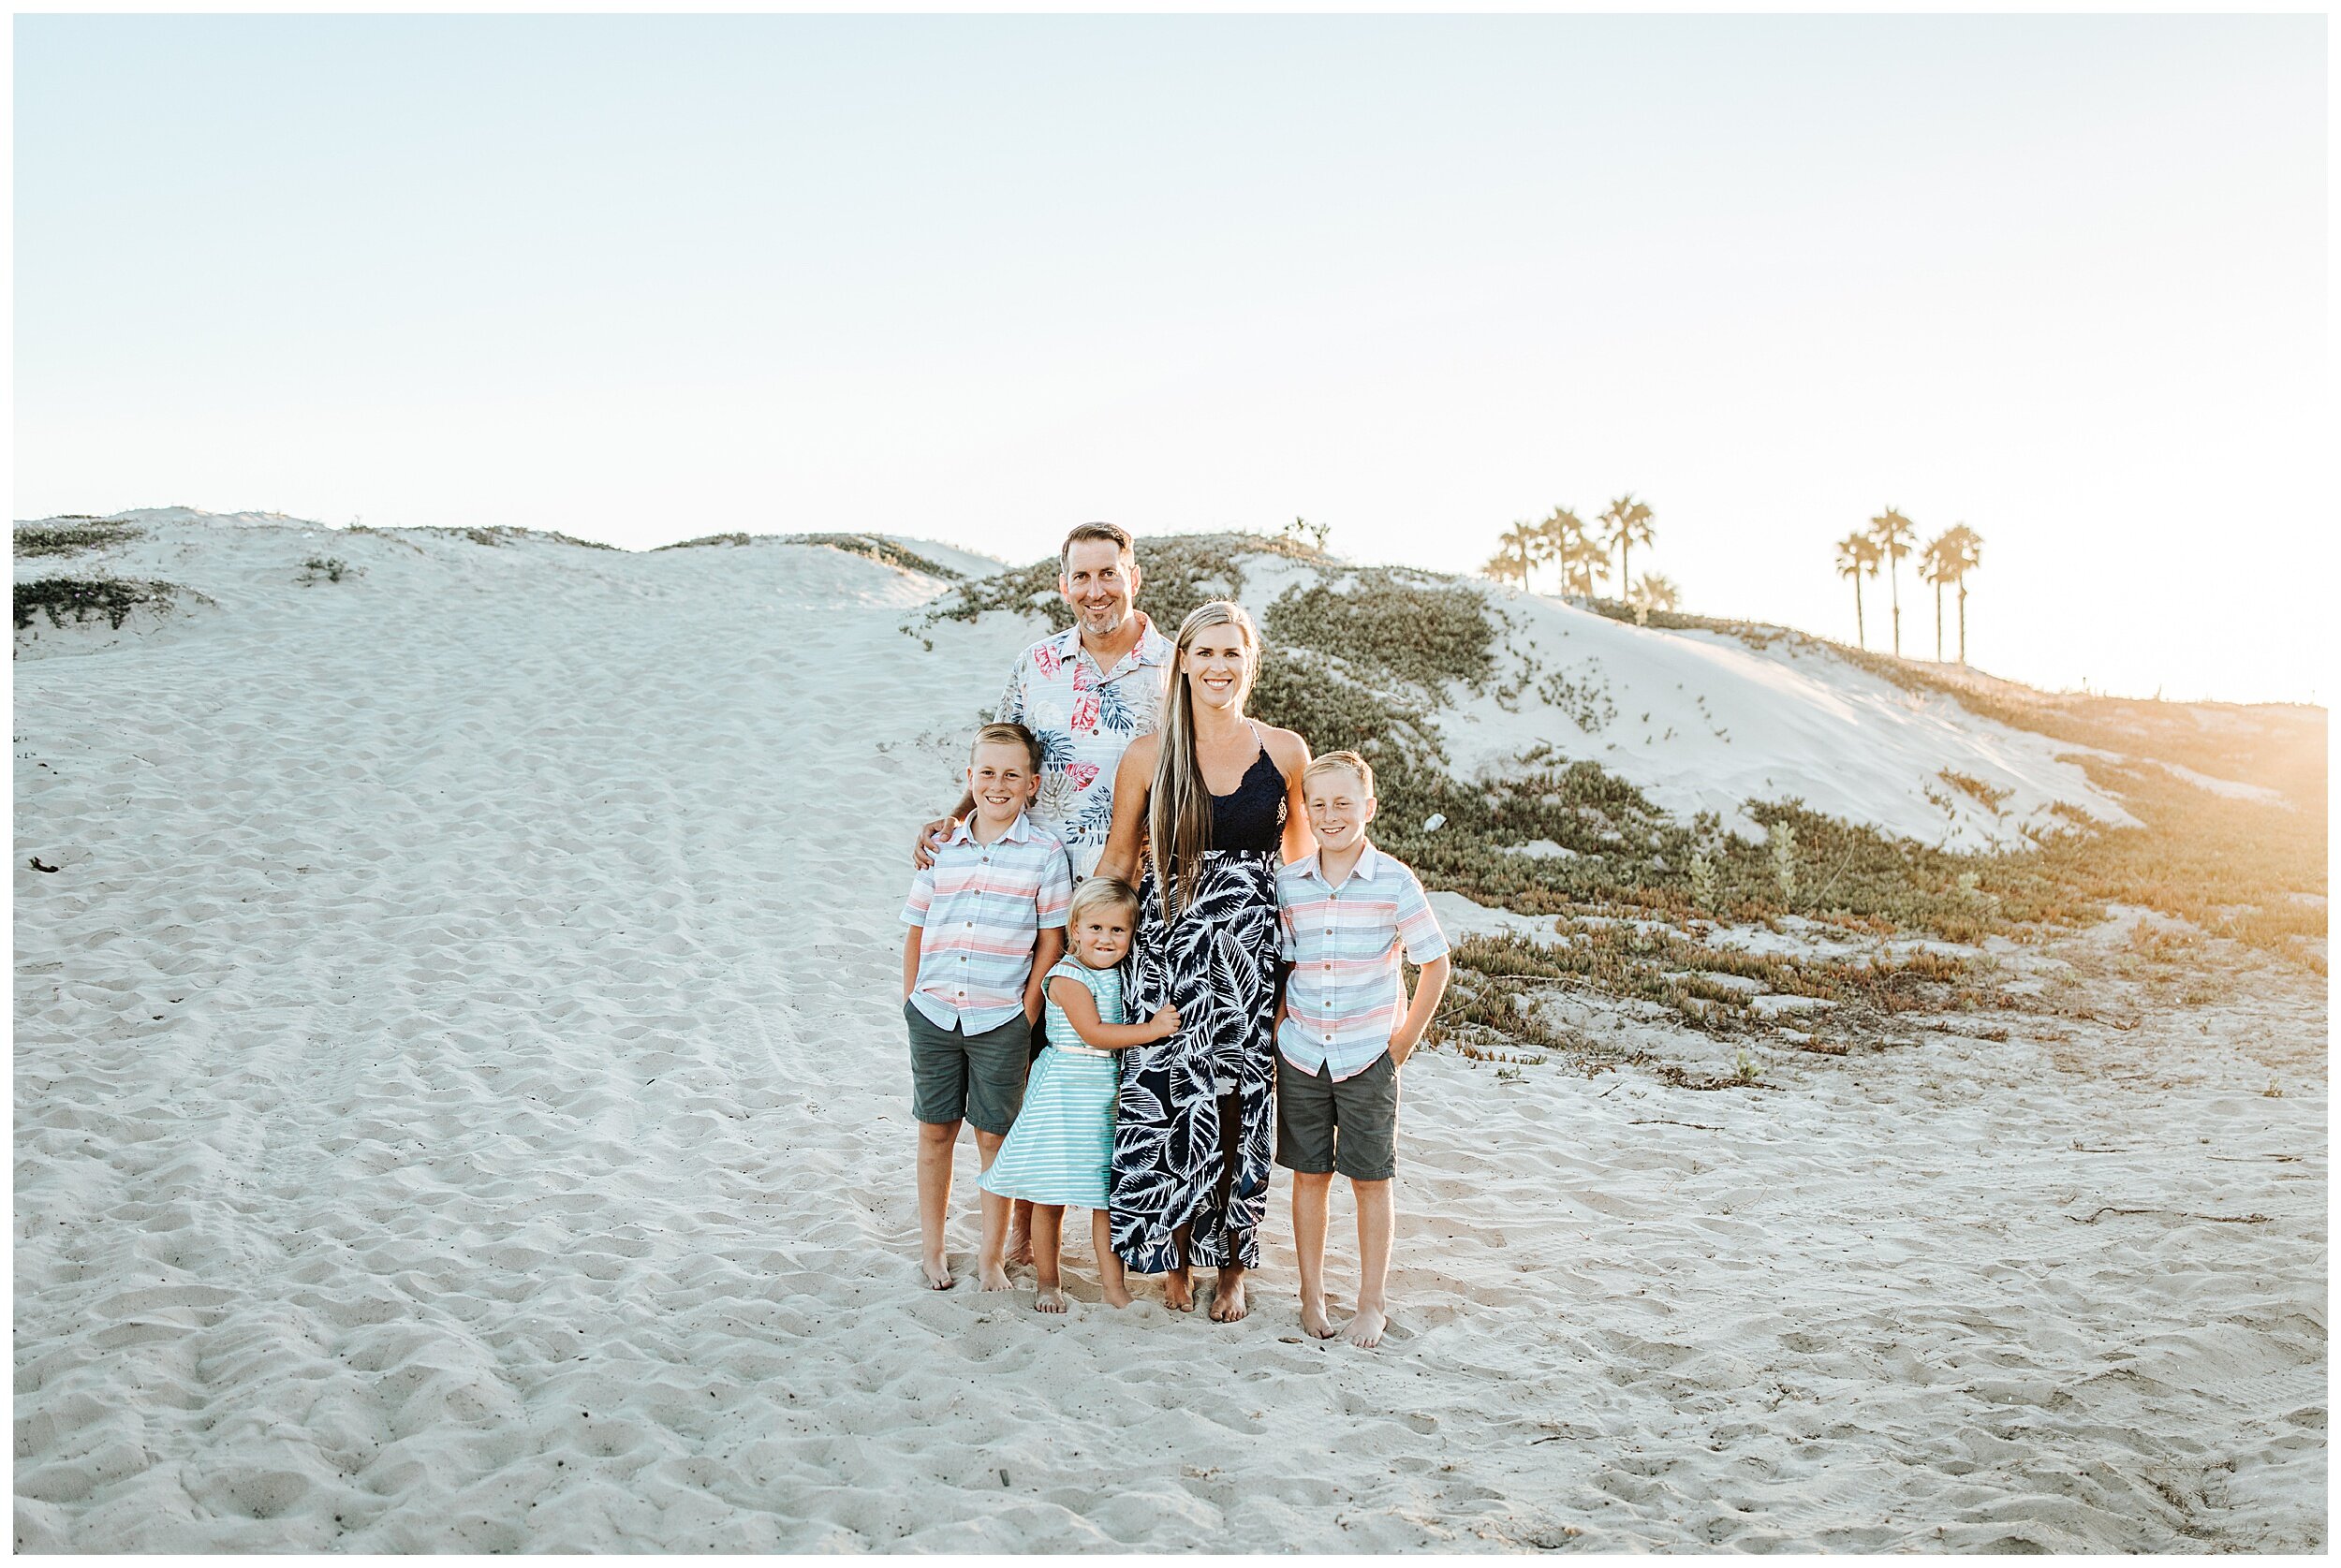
(1858, 554)
(1652, 593)
(1935, 565)
(1525, 545)
(1502, 566)
(1627, 524)
(1966, 556)
(1896, 535)
(1571, 545)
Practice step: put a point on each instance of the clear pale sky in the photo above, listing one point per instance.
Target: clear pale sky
(2059, 278)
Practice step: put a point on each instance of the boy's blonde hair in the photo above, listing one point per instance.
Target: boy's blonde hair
(1106, 890)
(1330, 760)
(1008, 734)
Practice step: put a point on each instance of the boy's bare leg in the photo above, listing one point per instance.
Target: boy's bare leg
(1376, 1220)
(1048, 1231)
(990, 1274)
(936, 1139)
(1110, 1273)
(1227, 1304)
(1309, 1191)
(1018, 1232)
(1178, 1286)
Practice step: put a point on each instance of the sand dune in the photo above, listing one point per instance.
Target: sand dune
(461, 1106)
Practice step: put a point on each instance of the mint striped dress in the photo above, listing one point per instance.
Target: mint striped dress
(1062, 1141)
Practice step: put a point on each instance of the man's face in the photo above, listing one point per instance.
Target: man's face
(1100, 582)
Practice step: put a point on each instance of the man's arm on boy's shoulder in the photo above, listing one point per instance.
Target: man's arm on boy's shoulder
(935, 834)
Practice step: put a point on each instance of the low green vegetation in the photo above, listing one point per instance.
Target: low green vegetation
(1390, 626)
(71, 537)
(332, 568)
(497, 537)
(86, 599)
(870, 546)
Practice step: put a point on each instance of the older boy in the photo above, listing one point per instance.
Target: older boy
(1345, 1027)
(987, 920)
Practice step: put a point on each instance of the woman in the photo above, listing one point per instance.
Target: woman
(1215, 801)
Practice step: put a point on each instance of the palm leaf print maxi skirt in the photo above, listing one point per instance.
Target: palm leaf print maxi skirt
(1218, 966)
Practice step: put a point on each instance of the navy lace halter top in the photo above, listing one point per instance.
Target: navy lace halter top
(1252, 818)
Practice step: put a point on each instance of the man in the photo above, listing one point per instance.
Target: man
(1086, 693)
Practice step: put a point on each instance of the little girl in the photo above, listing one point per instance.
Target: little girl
(1058, 1149)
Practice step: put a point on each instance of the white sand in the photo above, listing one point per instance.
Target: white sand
(461, 1106)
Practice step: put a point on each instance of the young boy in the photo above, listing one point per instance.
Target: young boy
(987, 922)
(1348, 911)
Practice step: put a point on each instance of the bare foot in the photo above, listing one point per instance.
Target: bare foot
(1178, 1290)
(938, 1272)
(1227, 1303)
(1116, 1293)
(994, 1277)
(1314, 1320)
(1366, 1329)
(1051, 1299)
(1019, 1249)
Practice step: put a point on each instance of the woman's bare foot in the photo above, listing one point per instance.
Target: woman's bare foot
(1019, 1249)
(938, 1272)
(1366, 1329)
(994, 1277)
(1116, 1293)
(1227, 1303)
(1178, 1290)
(1313, 1318)
(1051, 1299)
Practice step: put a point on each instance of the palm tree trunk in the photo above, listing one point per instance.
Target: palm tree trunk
(1962, 620)
(1894, 582)
(1939, 623)
(1860, 633)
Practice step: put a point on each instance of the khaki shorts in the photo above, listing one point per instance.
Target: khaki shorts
(977, 1077)
(1350, 1126)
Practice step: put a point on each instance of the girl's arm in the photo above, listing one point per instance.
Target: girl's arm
(1080, 1011)
(1133, 780)
(1291, 756)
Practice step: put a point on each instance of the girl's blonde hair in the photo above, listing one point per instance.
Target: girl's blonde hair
(1178, 808)
(1097, 890)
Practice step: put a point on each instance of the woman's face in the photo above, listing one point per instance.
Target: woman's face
(1219, 665)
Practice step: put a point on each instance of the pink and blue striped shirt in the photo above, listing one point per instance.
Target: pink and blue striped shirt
(1345, 995)
(981, 907)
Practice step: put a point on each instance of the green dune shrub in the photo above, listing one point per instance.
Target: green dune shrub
(72, 538)
(83, 598)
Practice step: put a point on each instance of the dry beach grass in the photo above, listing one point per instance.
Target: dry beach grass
(459, 1106)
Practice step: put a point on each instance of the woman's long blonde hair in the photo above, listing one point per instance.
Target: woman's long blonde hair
(1178, 807)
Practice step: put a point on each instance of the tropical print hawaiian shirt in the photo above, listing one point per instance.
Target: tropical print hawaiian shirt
(1085, 718)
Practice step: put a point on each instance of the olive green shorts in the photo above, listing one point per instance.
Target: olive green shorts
(1350, 1126)
(978, 1077)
